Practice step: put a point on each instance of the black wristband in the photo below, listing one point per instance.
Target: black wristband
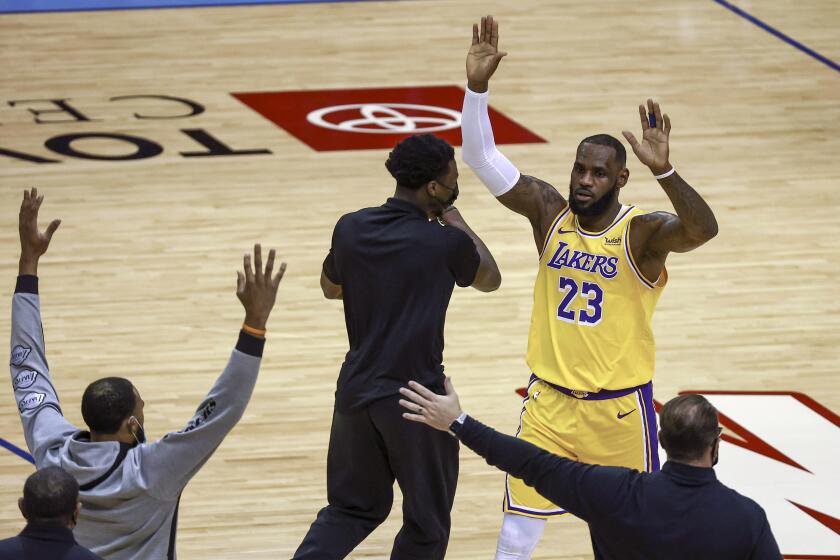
(250, 344)
(26, 284)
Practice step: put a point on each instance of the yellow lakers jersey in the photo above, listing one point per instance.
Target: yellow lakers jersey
(591, 322)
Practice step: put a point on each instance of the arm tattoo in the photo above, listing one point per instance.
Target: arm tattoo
(549, 194)
(696, 218)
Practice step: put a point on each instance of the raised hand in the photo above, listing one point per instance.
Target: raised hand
(257, 289)
(653, 149)
(484, 55)
(437, 411)
(33, 242)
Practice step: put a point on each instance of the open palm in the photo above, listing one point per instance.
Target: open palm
(484, 55)
(653, 149)
(33, 241)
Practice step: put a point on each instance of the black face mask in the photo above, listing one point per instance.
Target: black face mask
(596, 208)
(451, 200)
(140, 434)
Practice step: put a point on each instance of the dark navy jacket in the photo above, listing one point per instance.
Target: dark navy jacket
(681, 512)
(44, 542)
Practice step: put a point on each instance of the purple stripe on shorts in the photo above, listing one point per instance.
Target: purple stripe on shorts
(650, 417)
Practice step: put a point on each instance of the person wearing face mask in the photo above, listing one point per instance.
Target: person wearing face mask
(50, 505)
(395, 266)
(129, 489)
(682, 511)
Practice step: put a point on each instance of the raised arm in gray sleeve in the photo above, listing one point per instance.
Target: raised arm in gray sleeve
(169, 463)
(44, 425)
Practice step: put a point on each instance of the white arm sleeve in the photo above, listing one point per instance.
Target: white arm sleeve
(479, 148)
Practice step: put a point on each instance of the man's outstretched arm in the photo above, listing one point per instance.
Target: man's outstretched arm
(587, 491)
(172, 461)
(533, 198)
(44, 426)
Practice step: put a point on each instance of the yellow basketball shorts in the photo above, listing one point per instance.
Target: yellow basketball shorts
(613, 428)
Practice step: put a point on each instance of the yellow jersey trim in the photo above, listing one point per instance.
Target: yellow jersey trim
(550, 232)
(663, 275)
(620, 216)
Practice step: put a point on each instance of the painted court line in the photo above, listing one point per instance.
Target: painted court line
(30, 6)
(773, 31)
(17, 451)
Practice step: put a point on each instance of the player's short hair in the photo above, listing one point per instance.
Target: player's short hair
(419, 159)
(610, 142)
(688, 427)
(106, 403)
(50, 496)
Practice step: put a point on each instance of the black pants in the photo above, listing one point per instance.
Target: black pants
(368, 450)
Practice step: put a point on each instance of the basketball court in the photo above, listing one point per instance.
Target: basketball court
(169, 140)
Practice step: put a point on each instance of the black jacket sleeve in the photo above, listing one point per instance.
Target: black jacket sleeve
(766, 547)
(590, 492)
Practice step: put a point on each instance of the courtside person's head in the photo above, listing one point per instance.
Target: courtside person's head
(51, 497)
(689, 430)
(425, 170)
(598, 173)
(113, 410)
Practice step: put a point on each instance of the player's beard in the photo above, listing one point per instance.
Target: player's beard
(596, 208)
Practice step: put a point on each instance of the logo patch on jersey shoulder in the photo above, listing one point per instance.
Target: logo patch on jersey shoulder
(580, 260)
(30, 401)
(24, 379)
(612, 240)
(203, 413)
(19, 354)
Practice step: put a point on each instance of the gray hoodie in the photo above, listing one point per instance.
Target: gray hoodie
(129, 493)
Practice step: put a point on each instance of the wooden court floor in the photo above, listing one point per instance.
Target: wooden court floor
(140, 279)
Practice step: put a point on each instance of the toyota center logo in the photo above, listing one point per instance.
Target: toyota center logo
(385, 118)
(359, 119)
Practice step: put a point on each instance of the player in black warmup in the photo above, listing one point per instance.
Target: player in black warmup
(395, 267)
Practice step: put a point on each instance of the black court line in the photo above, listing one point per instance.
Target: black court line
(773, 31)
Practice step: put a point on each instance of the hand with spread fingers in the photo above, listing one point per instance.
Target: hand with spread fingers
(484, 55)
(653, 149)
(257, 289)
(437, 411)
(33, 242)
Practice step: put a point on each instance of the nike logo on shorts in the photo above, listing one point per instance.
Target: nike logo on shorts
(620, 415)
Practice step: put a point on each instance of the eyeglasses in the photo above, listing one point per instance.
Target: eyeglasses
(720, 431)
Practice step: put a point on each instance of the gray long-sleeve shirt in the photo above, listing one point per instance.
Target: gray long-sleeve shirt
(129, 494)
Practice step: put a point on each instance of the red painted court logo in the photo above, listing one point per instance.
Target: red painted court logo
(360, 119)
